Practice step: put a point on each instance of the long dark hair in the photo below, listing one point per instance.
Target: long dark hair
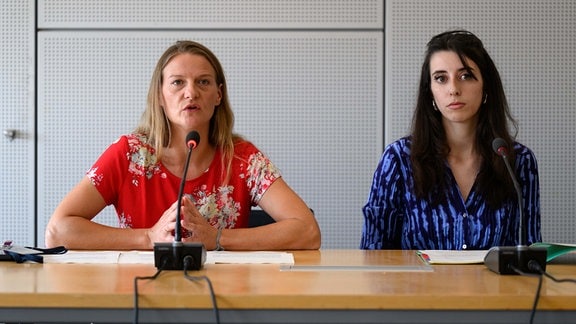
(429, 148)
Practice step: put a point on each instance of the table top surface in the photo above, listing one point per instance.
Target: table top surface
(323, 279)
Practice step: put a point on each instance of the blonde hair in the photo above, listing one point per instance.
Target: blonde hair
(154, 122)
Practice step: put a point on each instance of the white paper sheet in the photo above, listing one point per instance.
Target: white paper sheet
(147, 257)
(259, 257)
(452, 256)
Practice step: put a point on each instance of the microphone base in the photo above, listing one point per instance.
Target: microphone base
(171, 256)
(505, 259)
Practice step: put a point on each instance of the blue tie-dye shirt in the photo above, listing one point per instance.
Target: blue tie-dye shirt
(394, 218)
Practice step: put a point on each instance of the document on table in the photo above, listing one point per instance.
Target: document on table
(259, 257)
(101, 257)
(556, 249)
(147, 257)
(452, 256)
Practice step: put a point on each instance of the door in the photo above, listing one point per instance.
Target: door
(17, 143)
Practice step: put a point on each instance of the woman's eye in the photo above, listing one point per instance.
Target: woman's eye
(439, 78)
(468, 76)
(176, 82)
(204, 82)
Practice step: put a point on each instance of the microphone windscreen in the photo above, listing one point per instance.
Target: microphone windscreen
(192, 139)
(498, 144)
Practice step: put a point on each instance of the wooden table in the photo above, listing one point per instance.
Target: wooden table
(326, 286)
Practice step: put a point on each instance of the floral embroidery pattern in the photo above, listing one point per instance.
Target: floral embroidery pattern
(124, 221)
(218, 207)
(261, 174)
(142, 158)
(94, 177)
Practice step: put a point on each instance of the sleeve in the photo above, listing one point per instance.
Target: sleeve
(527, 167)
(382, 213)
(261, 173)
(106, 173)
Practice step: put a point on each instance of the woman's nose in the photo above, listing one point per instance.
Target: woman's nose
(454, 90)
(190, 92)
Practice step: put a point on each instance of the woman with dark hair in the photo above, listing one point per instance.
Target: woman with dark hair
(443, 187)
(140, 174)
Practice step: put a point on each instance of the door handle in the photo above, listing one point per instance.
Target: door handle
(10, 134)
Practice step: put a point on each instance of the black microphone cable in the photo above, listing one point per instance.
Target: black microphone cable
(136, 279)
(188, 263)
(540, 273)
(538, 290)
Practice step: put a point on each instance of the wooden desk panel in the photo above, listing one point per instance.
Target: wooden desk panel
(265, 287)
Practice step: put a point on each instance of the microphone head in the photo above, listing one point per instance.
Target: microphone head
(500, 146)
(192, 139)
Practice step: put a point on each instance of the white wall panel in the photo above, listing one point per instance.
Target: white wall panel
(311, 100)
(17, 218)
(210, 14)
(533, 45)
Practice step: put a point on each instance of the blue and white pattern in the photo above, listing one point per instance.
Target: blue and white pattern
(394, 218)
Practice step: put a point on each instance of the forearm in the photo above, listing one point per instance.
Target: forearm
(290, 234)
(78, 233)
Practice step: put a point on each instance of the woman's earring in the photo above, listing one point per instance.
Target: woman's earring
(485, 98)
(434, 105)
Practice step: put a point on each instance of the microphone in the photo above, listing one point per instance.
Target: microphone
(172, 256)
(520, 258)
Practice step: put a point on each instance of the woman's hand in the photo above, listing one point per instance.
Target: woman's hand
(199, 230)
(163, 230)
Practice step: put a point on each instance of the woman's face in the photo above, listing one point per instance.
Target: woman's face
(458, 93)
(190, 93)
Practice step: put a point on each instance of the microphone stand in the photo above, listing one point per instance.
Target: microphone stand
(170, 256)
(510, 260)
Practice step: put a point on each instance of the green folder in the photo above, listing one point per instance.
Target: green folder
(555, 249)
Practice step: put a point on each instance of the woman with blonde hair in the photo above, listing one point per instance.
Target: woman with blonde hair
(226, 175)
